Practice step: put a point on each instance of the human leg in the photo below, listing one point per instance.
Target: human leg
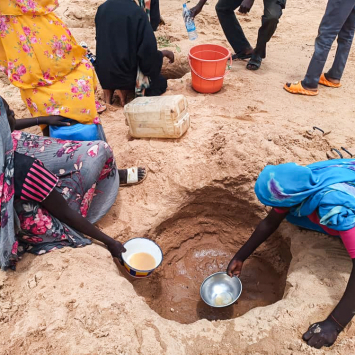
(336, 14)
(108, 95)
(345, 40)
(154, 14)
(231, 26)
(269, 21)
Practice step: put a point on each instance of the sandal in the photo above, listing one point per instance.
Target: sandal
(255, 62)
(324, 81)
(331, 154)
(100, 108)
(316, 131)
(297, 88)
(132, 177)
(83, 44)
(347, 151)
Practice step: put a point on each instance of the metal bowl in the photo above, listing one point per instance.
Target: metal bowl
(219, 290)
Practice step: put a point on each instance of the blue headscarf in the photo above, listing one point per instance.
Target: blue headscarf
(326, 186)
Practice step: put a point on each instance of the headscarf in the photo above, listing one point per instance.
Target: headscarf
(142, 81)
(8, 243)
(326, 186)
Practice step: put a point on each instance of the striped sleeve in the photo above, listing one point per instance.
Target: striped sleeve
(39, 183)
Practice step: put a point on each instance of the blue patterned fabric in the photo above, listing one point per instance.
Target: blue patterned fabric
(326, 186)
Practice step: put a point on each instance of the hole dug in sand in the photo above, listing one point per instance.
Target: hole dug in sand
(200, 239)
(177, 69)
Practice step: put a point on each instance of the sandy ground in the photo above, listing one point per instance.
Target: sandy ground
(78, 302)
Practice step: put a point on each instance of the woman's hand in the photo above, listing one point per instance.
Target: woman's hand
(235, 267)
(322, 334)
(53, 120)
(169, 54)
(116, 249)
(194, 11)
(246, 6)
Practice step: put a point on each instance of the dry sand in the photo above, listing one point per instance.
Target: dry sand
(77, 302)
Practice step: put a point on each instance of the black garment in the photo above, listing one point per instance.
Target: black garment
(124, 40)
(233, 31)
(154, 14)
(32, 181)
(22, 165)
(157, 86)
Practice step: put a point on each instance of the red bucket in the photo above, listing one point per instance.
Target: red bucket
(208, 64)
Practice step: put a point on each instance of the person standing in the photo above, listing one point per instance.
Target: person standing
(338, 21)
(234, 32)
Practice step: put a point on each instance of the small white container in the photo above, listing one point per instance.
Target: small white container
(141, 245)
(157, 116)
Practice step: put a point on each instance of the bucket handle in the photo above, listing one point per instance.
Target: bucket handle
(216, 78)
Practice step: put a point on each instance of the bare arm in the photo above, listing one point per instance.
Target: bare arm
(57, 206)
(326, 332)
(262, 232)
(198, 8)
(345, 310)
(35, 121)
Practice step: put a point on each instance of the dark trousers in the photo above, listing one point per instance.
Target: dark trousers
(157, 86)
(154, 14)
(234, 32)
(338, 20)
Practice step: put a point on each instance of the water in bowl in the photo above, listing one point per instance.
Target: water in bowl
(223, 299)
(142, 261)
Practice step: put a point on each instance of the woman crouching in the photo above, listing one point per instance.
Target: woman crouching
(319, 197)
(51, 191)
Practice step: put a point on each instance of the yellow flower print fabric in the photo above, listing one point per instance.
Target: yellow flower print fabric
(42, 58)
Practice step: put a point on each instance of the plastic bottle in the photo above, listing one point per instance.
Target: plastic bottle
(189, 23)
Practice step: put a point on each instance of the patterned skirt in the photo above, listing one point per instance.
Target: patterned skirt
(88, 180)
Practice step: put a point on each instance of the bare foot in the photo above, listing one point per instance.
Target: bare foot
(122, 94)
(108, 95)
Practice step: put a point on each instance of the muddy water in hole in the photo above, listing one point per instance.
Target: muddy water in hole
(173, 291)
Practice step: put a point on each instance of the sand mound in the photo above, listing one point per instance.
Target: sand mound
(198, 197)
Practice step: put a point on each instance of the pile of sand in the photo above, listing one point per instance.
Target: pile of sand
(77, 302)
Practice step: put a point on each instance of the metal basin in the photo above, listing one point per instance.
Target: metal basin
(219, 290)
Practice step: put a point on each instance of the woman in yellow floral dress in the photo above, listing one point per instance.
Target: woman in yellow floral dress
(42, 58)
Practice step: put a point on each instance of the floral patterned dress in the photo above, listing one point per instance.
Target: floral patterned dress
(88, 180)
(41, 57)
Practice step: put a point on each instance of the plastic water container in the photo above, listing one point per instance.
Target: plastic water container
(157, 116)
(189, 23)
